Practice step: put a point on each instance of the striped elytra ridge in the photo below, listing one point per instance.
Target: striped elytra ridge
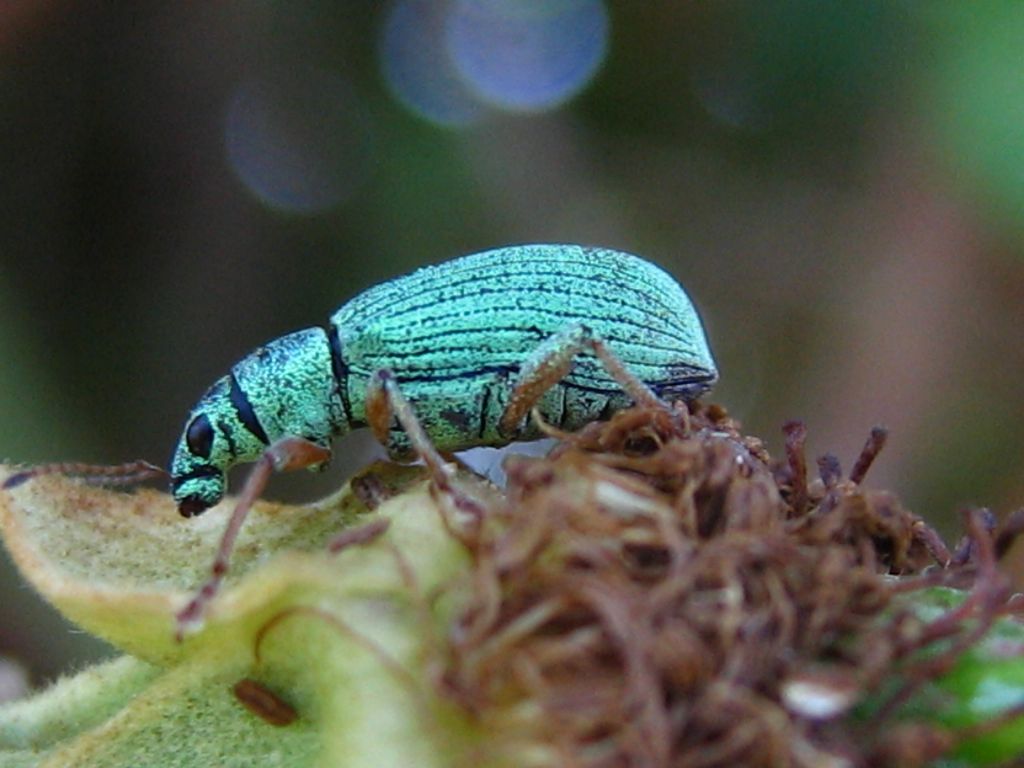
(454, 336)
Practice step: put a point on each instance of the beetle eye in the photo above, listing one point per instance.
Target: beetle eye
(199, 436)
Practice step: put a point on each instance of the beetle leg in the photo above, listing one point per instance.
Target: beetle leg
(384, 398)
(552, 361)
(284, 455)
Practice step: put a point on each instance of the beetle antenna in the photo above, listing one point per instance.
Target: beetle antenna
(95, 474)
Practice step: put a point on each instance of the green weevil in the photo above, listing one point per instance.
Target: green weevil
(446, 358)
(473, 344)
(449, 357)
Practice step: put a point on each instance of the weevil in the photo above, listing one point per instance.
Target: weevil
(473, 344)
(446, 358)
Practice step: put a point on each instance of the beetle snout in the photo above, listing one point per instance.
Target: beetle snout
(190, 506)
(198, 489)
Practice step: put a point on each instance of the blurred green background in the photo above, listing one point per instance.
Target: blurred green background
(840, 186)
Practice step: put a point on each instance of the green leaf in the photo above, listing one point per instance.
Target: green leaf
(341, 639)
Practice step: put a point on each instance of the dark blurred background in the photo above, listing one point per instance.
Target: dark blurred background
(839, 186)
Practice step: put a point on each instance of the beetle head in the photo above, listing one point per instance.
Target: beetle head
(214, 440)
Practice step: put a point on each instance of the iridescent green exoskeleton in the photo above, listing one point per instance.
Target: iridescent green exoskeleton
(447, 358)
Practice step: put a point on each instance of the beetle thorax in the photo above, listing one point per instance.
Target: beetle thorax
(290, 387)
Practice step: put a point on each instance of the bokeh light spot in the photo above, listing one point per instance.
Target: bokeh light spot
(300, 143)
(527, 55)
(418, 68)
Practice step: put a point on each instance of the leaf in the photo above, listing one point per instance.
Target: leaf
(340, 638)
